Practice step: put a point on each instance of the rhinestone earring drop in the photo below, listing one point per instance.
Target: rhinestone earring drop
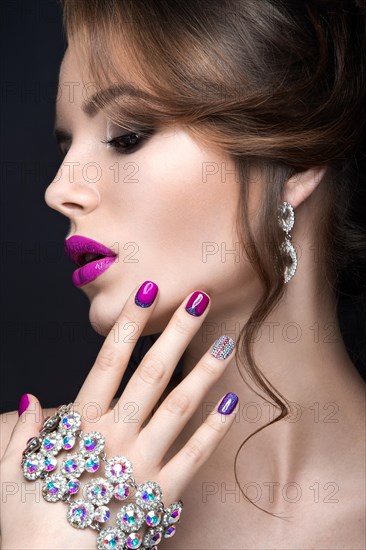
(286, 220)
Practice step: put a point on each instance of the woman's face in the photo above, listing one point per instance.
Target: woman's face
(168, 209)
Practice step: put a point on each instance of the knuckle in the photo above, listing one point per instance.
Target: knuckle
(107, 359)
(125, 328)
(129, 327)
(217, 423)
(194, 451)
(151, 370)
(177, 403)
(182, 326)
(127, 320)
(208, 367)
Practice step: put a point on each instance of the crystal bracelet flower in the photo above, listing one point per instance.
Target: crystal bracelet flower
(139, 524)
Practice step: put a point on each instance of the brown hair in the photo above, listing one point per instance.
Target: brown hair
(276, 84)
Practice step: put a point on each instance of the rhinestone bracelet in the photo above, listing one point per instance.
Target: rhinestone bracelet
(140, 524)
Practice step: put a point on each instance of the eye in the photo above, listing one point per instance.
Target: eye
(129, 143)
(124, 144)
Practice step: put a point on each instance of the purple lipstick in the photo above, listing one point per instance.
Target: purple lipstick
(93, 258)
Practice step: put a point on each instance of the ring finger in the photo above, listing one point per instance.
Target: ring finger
(154, 372)
(178, 407)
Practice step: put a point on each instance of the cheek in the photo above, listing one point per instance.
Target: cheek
(173, 205)
(184, 227)
(183, 224)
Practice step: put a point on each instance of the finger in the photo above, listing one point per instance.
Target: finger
(178, 407)
(186, 463)
(105, 376)
(29, 424)
(155, 370)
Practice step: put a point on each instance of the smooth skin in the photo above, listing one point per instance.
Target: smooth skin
(170, 212)
(144, 446)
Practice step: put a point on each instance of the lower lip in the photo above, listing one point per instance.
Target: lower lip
(88, 272)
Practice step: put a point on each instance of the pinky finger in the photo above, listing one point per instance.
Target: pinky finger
(186, 463)
(29, 424)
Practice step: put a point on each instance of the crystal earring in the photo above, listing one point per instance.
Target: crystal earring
(286, 220)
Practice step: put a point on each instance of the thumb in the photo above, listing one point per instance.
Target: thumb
(29, 423)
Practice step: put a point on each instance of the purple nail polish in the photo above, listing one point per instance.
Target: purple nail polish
(197, 303)
(222, 347)
(146, 294)
(228, 403)
(23, 404)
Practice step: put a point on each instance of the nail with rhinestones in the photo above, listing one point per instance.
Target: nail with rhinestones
(146, 294)
(197, 303)
(222, 347)
(23, 404)
(228, 403)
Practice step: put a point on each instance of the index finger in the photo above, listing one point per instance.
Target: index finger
(104, 378)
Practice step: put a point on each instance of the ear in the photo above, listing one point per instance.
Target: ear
(300, 186)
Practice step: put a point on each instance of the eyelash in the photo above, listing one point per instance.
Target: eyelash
(121, 148)
(124, 148)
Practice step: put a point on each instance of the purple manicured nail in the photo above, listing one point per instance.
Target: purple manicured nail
(146, 294)
(222, 347)
(23, 404)
(228, 403)
(197, 303)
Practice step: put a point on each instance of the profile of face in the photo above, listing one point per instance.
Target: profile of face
(167, 205)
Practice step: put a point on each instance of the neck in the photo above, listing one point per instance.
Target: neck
(300, 350)
(299, 347)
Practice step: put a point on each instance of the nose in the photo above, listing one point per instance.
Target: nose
(70, 193)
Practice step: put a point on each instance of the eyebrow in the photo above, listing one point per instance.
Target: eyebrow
(98, 100)
(101, 98)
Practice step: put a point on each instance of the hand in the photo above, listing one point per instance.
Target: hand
(30, 522)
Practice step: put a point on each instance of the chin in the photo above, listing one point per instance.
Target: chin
(103, 313)
(105, 310)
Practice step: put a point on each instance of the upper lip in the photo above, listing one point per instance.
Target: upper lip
(77, 246)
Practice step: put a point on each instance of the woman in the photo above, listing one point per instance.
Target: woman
(201, 139)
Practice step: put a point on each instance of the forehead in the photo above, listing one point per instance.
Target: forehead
(77, 86)
(73, 79)
(74, 69)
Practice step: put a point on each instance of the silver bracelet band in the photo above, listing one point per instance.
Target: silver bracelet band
(142, 522)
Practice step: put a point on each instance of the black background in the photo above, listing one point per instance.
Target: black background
(46, 337)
